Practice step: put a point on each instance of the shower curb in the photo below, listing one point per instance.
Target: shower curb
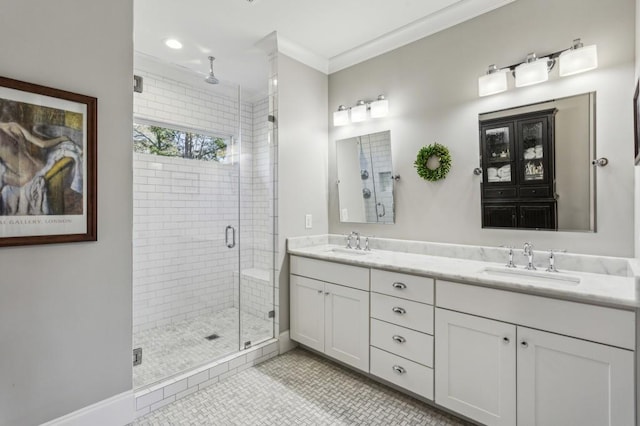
(158, 395)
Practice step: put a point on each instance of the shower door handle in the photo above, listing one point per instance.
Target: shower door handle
(231, 244)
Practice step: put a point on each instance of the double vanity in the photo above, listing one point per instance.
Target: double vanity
(454, 326)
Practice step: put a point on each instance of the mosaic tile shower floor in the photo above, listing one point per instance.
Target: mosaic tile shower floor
(177, 347)
(298, 388)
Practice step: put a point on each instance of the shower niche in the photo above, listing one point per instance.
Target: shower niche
(365, 178)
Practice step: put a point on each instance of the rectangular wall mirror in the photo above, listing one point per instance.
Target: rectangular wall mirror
(536, 166)
(365, 183)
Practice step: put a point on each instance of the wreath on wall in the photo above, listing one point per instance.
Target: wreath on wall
(439, 153)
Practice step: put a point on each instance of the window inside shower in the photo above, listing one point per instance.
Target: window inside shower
(203, 236)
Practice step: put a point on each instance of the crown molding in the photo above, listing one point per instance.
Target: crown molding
(458, 12)
(302, 54)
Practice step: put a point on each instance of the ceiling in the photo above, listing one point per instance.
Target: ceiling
(328, 35)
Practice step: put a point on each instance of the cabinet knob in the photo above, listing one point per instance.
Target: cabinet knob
(506, 339)
(326, 293)
(399, 369)
(399, 339)
(399, 310)
(499, 192)
(319, 291)
(533, 191)
(524, 344)
(399, 285)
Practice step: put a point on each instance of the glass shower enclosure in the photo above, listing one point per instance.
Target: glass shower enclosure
(203, 248)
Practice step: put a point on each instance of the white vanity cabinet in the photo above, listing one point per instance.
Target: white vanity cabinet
(330, 309)
(483, 363)
(402, 330)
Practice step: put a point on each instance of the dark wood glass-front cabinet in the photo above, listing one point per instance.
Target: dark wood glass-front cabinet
(518, 169)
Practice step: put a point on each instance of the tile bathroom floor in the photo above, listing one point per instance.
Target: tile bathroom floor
(180, 346)
(298, 388)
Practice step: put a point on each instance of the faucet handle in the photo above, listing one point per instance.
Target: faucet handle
(349, 241)
(552, 259)
(510, 264)
(552, 262)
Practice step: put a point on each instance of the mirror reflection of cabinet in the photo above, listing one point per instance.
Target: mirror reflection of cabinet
(518, 168)
(365, 184)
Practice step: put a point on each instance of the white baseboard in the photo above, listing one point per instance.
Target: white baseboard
(285, 344)
(114, 411)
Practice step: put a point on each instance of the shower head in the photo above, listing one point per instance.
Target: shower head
(211, 79)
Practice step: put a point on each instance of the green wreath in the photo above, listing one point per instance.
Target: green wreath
(433, 150)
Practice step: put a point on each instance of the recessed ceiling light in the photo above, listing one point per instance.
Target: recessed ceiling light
(173, 43)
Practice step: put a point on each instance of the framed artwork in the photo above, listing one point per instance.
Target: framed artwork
(48, 170)
(636, 124)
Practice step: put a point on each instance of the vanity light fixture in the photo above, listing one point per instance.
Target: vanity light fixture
(341, 116)
(380, 108)
(361, 111)
(578, 58)
(495, 81)
(533, 70)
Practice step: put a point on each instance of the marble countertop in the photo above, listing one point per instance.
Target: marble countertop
(606, 290)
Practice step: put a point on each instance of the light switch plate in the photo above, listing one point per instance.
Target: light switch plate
(308, 221)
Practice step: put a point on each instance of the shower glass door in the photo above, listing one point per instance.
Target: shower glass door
(186, 245)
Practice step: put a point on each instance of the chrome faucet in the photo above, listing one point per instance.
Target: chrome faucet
(528, 251)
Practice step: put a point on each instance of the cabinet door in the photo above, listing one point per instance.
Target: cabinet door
(307, 312)
(499, 216)
(535, 151)
(567, 381)
(346, 313)
(475, 367)
(538, 216)
(498, 156)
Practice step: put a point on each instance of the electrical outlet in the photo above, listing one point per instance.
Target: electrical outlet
(308, 221)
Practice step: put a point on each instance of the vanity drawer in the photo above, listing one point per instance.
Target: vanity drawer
(402, 372)
(500, 193)
(413, 287)
(600, 324)
(413, 315)
(337, 273)
(535, 192)
(403, 342)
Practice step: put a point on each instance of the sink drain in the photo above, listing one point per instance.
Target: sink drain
(214, 336)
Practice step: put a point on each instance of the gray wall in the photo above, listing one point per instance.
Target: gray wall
(65, 309)
(431, 85)
(302, 162)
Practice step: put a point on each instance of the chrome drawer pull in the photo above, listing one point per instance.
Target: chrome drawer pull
(399, 339)
(399, 285)
(399, 369)
(398, 310)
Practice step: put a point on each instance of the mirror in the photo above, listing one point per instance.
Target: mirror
(536, 165)
(365, 183)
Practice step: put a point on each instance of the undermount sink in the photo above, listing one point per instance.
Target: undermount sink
(536, 276)
(345, 250)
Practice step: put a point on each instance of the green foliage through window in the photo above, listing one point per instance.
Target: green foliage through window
(177, 143)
